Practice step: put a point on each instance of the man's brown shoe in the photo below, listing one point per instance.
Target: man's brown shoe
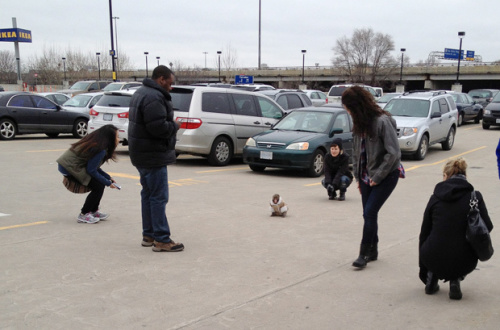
(147, 241)
(167, 247)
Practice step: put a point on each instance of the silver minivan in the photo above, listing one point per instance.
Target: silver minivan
(216, 122)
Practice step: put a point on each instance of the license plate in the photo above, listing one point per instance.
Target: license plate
(266, 155)
(107, 117)
(498, 121)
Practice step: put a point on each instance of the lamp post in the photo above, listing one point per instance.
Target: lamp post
(112, 51)
(461, 35)
(218, 53)
(158, 60)
(205, 59)
(99, 64)
(147, 73)
(260, 11)
(64, 67)
(116, 42)
(303, 63)
(403, 50)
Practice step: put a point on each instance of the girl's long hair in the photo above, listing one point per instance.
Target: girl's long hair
(103, 138)
(363, 109)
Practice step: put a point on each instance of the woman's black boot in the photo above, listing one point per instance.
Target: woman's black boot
(455, 292)
(363, 256)
(431, 286)
(373, 255)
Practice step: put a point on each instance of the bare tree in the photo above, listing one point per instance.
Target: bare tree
(365, 55)
(7, 67)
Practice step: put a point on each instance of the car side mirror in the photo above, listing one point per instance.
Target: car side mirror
(436, 115)
(335, 131)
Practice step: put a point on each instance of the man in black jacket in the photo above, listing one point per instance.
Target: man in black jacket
(337, 173)
(151, 136)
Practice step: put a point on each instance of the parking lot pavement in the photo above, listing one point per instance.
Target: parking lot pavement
(241, 268)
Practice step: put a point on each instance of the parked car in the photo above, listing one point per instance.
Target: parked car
(112, 108)
(82, 102)
(85, 86)
(116, 86)
(300, 140)
(2, 89)
(483, 96)
(318, 98)
(219, 85)
(468, 109)
(289, 99)
(491, 114)
(335, 92)
(423, 119)
(382, 101)
(58, 98)
(216, 122)
(29, 113)
(253, 87)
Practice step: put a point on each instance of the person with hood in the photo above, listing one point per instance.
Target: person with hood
(151, 136)
(444, 252)
(337, 173)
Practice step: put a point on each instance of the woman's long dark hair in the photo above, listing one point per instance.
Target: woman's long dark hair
(363, 109)
(103, 138)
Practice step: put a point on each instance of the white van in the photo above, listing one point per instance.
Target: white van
(216, 122)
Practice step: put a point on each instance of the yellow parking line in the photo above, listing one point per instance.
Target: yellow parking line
(223, 170)
(24, 225)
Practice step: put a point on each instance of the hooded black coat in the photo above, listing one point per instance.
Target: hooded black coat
(336, 167)
(443, 249)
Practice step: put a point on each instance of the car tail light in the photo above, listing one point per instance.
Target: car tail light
(123, 115)
(189, 123)
(327, 100)
(93, 112)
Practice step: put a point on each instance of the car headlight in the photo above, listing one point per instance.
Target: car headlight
(298, 146)
(487, 112)
(250, 143)
(407, 131)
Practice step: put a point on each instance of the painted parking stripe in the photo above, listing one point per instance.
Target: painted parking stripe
(4, 215)
(24, 225)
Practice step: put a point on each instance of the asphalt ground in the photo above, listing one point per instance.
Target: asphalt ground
(241, 268)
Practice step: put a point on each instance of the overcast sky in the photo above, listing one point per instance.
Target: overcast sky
(183, 30)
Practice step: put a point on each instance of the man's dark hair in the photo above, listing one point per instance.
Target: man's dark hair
(161, 71)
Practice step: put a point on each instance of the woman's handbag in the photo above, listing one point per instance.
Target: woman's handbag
(477, 233)
(74, 186)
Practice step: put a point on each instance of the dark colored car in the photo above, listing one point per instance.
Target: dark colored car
(491, 115)
(85, 86)
(468, 109)
(28, 113)
(2, 89)
(300, 140)
(483, 96)
(289, 99)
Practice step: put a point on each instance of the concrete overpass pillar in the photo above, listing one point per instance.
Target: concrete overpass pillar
(400, 88)
(456, 88)
(429, 84)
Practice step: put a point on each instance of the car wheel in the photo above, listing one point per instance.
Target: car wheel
(221, 152)
(460, 119)
(80, 128)
(257, 168)
(486, 126)
(478, 117)
(52, 135)
(423, 147)
(317, 164)
(7, 129)
(450, 139)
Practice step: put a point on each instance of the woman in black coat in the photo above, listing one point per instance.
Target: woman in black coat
(444, 252)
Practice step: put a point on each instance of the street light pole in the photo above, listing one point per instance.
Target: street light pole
(303, 63)
(99, 64)
(218, 53)
(64, 66)
(259, 32)
(158, 60)
(147, 73)
(205, 59)
(461, 35)
(403, 50)
(112, 51)
(116, 42)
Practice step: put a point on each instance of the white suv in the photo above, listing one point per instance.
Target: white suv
(217, 122)
(423, 119)
(335, 92)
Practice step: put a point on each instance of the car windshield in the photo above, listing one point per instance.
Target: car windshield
(112, 100)
(181, 98)
(305, 121)
(480, 94)
(496, 99)
(408, 108)
(80, 86)
(78, 101)
(386, 98)
(112, 87)
(337, 91)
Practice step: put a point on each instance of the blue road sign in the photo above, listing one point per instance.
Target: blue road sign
(470, 55)
(452, 54)
(243, 79)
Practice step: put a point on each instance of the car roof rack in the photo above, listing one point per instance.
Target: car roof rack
(433, 93)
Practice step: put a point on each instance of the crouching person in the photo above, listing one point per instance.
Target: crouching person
(337, 173)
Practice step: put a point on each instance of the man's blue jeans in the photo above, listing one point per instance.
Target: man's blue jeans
(154, 199)
(373, 198)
